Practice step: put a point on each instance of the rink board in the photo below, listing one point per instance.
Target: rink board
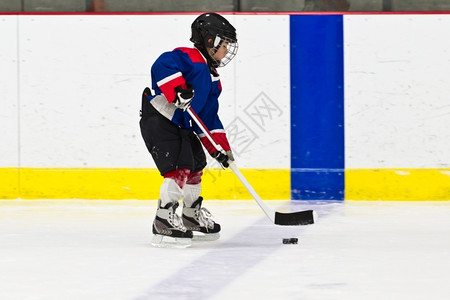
(317, 108)
(375, 128)
(123, 183)
(361, 184)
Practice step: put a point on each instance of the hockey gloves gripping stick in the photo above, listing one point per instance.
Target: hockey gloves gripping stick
(184, 97)
(223, 157)
(287, 219)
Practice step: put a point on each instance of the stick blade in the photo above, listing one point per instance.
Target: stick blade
(305, 217)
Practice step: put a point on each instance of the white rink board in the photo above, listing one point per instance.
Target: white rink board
(397, 91)
(86, 75)
(9, 135)
(261, 110)
(82, 77)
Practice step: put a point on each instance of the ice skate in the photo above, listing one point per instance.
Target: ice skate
(199, 220)
(168, 228)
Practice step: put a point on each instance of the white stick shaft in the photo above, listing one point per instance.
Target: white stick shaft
(269, 213)
(204, 129)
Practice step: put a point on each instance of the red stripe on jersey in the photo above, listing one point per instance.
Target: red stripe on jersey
(168, 88)
(218, 137)
(194, 54)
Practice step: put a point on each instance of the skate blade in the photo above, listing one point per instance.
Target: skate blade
(202, 237)
(162, 241)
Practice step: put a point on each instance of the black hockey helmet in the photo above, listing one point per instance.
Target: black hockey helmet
(210, 30)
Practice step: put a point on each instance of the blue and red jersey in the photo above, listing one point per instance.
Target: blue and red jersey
(177, 68)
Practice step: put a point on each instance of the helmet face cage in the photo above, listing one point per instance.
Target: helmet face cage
(232, 47)
(211, 30)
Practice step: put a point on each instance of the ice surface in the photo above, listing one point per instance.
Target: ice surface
(100, 249)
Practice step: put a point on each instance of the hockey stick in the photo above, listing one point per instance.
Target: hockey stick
(295, 218)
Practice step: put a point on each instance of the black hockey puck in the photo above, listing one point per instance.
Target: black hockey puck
(290, 241)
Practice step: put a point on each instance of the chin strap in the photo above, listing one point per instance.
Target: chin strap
(212, 64)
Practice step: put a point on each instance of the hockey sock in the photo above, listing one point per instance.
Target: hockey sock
(169, 192)
(191, 192)
(171, 188)
(192, 189)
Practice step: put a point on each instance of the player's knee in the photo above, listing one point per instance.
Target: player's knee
(195, 178)
(180, 176)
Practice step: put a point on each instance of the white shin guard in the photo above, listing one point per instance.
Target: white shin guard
(191, 192)
(169, 192)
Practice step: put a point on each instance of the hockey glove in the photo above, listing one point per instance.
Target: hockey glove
(223, 157)
(184, 96)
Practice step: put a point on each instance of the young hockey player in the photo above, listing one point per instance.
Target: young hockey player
(183, 78)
